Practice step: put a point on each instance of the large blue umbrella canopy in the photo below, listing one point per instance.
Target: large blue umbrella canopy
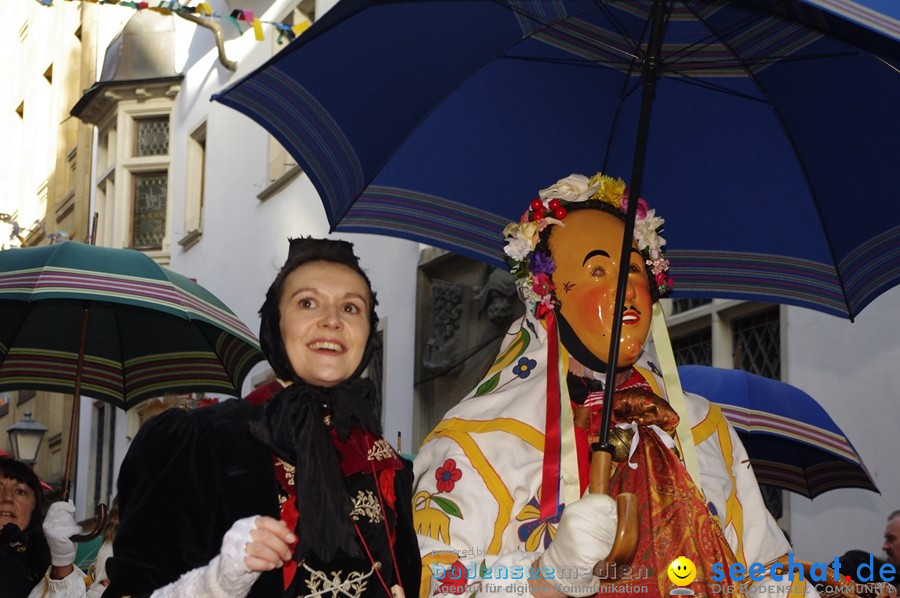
(791, 440)
(772, 143)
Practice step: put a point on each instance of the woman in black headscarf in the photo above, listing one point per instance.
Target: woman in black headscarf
(297, 497)
(24, 553)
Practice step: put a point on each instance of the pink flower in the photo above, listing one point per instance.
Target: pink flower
(642, 208)
(660, 277)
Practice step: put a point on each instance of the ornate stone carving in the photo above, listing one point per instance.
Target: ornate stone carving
(445, 327)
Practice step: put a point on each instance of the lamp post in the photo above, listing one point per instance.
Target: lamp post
(25, 438)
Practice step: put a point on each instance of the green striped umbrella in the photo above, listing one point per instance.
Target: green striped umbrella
(150, 330)
(114, 325)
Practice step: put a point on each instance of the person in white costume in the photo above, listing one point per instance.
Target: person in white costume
(499, 499)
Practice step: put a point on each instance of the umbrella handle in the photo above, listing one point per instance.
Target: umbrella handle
(100, 518)
(626, 538)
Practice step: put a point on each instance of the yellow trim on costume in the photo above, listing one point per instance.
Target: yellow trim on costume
(428, 560)
(490, 478)
(734, 511)
(708, 426)
(651, 380)
(517, 428)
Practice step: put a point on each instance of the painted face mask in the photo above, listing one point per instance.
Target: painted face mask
(587, 253)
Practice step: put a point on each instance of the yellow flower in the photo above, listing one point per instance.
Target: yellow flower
(610, 191)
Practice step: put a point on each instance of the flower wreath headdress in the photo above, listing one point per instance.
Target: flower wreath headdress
(533, 269)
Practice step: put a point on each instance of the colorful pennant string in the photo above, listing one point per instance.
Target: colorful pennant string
(167, 7)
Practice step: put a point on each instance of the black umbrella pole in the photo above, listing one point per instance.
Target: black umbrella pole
(650, 73)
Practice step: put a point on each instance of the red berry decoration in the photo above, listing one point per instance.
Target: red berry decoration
(560, 213)
(554, 205)
(540, 213)
(536, 204)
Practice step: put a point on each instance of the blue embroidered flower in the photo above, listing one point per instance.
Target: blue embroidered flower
(537, 533)
(524, 367)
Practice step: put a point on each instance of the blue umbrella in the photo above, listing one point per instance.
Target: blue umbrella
(791, 440)
(771, 151)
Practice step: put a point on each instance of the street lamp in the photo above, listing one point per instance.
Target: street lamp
(25, 438)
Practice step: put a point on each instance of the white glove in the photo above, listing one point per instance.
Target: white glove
(228, 575)
(585, 535)
(58, 525)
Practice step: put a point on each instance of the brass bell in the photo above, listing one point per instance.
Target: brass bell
(620, 440)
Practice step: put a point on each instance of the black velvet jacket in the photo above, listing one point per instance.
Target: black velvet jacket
(21, 564)
(188, 476)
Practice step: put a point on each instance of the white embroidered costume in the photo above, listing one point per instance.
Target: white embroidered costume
(479, 472)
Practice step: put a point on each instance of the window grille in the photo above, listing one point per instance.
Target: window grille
(149, 225)
(760, 341)
(683, 305)
(694, 348)
(152, 137)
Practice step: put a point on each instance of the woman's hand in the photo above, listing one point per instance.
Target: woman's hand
(252, 545)
(270, 545)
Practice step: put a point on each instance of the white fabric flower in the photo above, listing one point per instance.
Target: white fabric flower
(646, 236)
(575, 187)
(518, 248)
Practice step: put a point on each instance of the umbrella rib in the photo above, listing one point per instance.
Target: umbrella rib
(121, 345)
(469, 75)
(504, 54)
(15, 336)
(626, 90)
(693, 48)
(803, 169)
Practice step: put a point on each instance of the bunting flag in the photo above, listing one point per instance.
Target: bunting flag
(204, 9)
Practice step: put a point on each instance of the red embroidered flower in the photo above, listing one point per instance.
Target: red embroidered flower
(447, 475)
(541, 284)
(455, 580)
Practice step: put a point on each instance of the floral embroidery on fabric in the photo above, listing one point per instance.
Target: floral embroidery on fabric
(447, 475)
(321, 584)
(435, 522)
(380, 450)
(453, 581)
(365, 504)
(289, 471)
(524, 367)
(537, 532)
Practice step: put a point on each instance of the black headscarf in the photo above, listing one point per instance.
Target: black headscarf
(21, 569)
(292, 424)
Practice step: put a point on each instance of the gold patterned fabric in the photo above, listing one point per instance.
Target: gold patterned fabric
(673, 522)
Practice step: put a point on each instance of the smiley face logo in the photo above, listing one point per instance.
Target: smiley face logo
(682, 571)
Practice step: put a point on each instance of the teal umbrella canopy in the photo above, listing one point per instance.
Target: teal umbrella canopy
(148, 330)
